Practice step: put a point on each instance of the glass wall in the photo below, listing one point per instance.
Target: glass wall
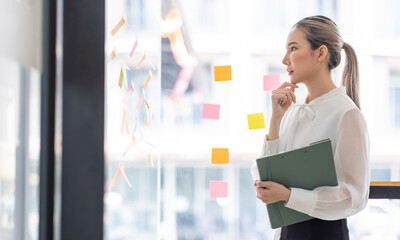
(251, 38)
(195, 36)
(132, 119)
(20, 79)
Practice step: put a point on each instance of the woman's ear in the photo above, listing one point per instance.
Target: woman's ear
(322, 53)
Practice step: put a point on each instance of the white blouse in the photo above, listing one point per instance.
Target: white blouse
(332, 115)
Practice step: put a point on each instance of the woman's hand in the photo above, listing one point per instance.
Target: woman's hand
(286, 93)
(270, 192)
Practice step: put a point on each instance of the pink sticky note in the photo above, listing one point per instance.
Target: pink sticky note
(129, 93)
(218, 189)
(210, 111)
(271, 82)
(133, 49)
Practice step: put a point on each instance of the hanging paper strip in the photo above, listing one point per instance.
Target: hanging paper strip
(133, 49)
(118, 26)
(141, 60)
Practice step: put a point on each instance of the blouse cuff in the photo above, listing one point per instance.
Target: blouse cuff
(270, 147)
(254, 171)
(302, 200)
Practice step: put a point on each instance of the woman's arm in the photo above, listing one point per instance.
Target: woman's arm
(352, 167)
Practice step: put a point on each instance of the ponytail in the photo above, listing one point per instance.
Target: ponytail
(320, 30)
(350, 78)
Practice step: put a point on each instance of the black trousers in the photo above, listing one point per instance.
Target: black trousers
(316, 229)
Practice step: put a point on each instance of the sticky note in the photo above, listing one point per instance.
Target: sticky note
(220, 156)
(218, 189)
(150, 160)
(118, 175)
(210, 111)
(271, 82)
(118, 26)
(256, 120)
(124, 123)
(134, 48)
(140, 101)
(114, 54)
(148, 80)
(129, 93)
(141, 60)
(152, 65)
(222, 73)
(121, 77)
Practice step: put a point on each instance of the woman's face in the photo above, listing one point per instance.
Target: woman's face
(302, 62)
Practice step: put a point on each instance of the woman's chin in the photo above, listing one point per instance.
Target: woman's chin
(294, 80)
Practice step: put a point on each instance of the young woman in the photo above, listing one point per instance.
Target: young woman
(313, 49)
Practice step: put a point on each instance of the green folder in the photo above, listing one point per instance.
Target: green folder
(307, 168)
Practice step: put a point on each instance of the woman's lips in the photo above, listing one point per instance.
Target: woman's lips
(290, 72)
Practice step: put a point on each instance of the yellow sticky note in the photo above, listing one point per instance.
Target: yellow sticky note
(222, 73)
(256, 120)
(220, 156)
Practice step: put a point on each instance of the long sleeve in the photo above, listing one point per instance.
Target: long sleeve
(269, 148)
(352, 169)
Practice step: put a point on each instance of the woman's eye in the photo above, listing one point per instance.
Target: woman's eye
(292, 48)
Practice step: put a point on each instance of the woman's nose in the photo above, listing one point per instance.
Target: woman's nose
(285, 60)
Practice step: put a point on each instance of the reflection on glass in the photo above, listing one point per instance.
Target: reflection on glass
(19, 150)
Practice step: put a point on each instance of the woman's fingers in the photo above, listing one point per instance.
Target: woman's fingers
(264, 184)
(288, 84)
(284, 93)
(287, 96)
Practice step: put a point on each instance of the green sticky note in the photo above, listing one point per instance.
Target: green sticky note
(121, 78)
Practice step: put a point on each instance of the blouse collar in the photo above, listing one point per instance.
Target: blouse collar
(335, 91)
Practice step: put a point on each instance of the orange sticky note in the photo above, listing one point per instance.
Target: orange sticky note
(121, 167)
(140, 101)
(141, 60)
(125, 123)
(148, 80)
(118, 26)
(220, 156)
(116, 177)
(256, 120)
(222, 73)
(218, 189)
(271, 82)
(114, 54)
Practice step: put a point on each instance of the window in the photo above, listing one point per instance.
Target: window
(20, 83)
(173, 197)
